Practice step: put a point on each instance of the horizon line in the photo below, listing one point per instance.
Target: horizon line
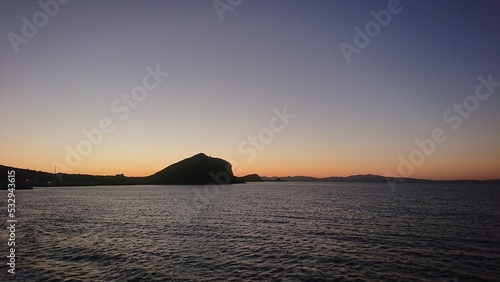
(287, 176)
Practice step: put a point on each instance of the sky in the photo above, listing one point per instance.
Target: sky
(319, 88)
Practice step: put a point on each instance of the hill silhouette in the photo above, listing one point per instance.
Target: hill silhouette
(199, 169)
(26, 178)
(252, 178)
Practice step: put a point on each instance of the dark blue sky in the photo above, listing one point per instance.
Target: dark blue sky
(226, 77)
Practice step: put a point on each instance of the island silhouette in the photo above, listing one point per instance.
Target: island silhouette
(199, 169)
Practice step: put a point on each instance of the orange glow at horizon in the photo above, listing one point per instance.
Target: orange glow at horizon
(281, 171)
(269, 165)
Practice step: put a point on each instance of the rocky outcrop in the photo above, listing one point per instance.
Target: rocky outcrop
(251, 178)
(199, 169)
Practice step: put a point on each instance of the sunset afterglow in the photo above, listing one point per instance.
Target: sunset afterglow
(136, 88)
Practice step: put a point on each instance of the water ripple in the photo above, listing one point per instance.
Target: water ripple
(265, 231)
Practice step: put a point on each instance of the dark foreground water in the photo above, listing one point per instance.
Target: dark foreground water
(258, 232)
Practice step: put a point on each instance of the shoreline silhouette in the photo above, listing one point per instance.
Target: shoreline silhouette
(199, 169)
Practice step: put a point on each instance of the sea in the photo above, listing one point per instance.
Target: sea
(269, 231)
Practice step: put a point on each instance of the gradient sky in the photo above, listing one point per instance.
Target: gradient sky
(226, 77)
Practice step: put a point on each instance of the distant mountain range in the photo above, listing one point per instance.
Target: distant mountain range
(367, 178)
(199, 169)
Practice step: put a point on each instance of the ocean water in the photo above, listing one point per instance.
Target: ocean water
(257, 232)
